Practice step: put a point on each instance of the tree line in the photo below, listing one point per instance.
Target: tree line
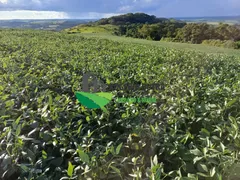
(195, 33)
(144, 26)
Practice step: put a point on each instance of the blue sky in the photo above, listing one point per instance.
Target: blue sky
(17, 9)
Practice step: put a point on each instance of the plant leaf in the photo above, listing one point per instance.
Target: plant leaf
(118, 148)
(84, 157)
(70, 169)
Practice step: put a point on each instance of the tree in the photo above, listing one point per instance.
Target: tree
(195, 33)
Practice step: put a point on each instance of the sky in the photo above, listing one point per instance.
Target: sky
(92, 9)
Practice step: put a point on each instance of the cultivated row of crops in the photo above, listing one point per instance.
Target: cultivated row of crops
(192, 132)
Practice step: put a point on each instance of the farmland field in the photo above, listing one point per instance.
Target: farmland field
(44, 24)
(192, 132)
(213, 20)
(161, 44)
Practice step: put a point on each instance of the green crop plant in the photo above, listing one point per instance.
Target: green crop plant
(192, 132)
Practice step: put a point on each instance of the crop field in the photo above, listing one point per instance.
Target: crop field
(162, 44)
(192, 132)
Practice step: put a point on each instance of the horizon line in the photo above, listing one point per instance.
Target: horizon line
(179, 17)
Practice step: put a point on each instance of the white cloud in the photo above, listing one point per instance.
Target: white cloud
(22, 14)
(4, 1)
(91, 15)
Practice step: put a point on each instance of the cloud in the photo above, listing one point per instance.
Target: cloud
(23, 14)
(3, 1)
(167, 8)
(27, 14)
(59, 5)
(91, 15)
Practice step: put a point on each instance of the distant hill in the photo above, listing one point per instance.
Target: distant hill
(132, 18)
(111, 25)
(45, 24)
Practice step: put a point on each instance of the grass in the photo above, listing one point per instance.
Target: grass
(93, 29)
(182, 46)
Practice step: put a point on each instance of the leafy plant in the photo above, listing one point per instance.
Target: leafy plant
(192, 132)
